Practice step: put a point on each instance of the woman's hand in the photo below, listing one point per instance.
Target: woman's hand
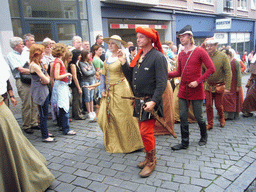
(14, 101)
(80, 91)
(103, 94)
(69, 75)
(121, 56)
(43, 82)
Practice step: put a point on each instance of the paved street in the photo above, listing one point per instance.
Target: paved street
(80, 163)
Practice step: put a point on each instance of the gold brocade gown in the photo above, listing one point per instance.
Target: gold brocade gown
(120, 129)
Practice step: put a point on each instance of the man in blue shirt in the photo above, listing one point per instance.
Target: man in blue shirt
(16, 63)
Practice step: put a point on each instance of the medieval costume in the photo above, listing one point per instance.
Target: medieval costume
(189, 69)
(216, 84)
(191, 117)
(249, 104)
(120, 129)
(22, 167)
(148, 78)
(232, 102)
(168, 119)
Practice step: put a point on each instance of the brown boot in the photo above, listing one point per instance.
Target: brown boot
(151, 164)
(222, 122)
(208, 127)
(142, 164)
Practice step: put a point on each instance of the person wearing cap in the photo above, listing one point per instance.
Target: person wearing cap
(190, 61)
(120, 129)
(218, 84)
(147, 75)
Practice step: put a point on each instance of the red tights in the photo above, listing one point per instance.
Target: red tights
(147, 133)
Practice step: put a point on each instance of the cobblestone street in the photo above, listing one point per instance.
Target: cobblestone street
(80, 163)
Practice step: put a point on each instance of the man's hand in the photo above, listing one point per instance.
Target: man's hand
(121, 56)
(149, 106)
(193, 84)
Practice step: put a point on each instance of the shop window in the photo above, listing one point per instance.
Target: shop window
(228, 4)
(66, 33)
(17, 29)
(41, 31)
(253, 4)
(242, 4)
(50, 8)
(204, 1)
(14, 7)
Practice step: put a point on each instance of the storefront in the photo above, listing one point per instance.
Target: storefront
(56, 19)
(202, 26)
(122, 21)
(237, 33)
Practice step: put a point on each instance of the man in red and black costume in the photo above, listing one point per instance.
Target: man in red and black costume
(147, 75)
(190, 62)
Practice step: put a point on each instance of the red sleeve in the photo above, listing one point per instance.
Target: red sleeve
(208, 64)
(243, 67)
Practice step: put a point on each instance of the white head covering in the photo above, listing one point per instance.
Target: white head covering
(4, 73)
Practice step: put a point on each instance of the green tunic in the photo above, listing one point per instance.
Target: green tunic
(222, 72)
(22, 167)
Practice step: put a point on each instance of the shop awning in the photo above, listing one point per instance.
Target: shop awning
(133, 26)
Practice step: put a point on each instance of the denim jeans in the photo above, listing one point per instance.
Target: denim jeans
(88, 95)
(64, 120)
(197, 109)
(43, 110)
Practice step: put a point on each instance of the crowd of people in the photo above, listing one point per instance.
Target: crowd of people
(129, 92)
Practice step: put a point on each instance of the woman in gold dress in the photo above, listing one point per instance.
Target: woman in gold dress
(120, 129)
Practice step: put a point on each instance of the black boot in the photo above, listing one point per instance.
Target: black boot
(184, 137)
(203, 133)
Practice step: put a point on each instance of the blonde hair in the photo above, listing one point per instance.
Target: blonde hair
(58, 50)
(35, 53)
(192, 40)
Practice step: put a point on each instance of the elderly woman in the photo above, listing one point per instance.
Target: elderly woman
(120, 129)
(232, 102)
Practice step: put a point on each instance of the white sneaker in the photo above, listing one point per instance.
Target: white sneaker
(90, 115)
(94, 115)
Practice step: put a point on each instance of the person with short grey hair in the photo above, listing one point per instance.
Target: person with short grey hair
(15, 41)
(16, 63)
(47, 40)
(29, 40)
(77, 43)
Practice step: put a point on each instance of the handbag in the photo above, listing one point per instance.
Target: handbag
(220, 88)
(25, 78)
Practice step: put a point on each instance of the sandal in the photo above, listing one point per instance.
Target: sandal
(71, 132)
(49, 139)
(50, 135)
